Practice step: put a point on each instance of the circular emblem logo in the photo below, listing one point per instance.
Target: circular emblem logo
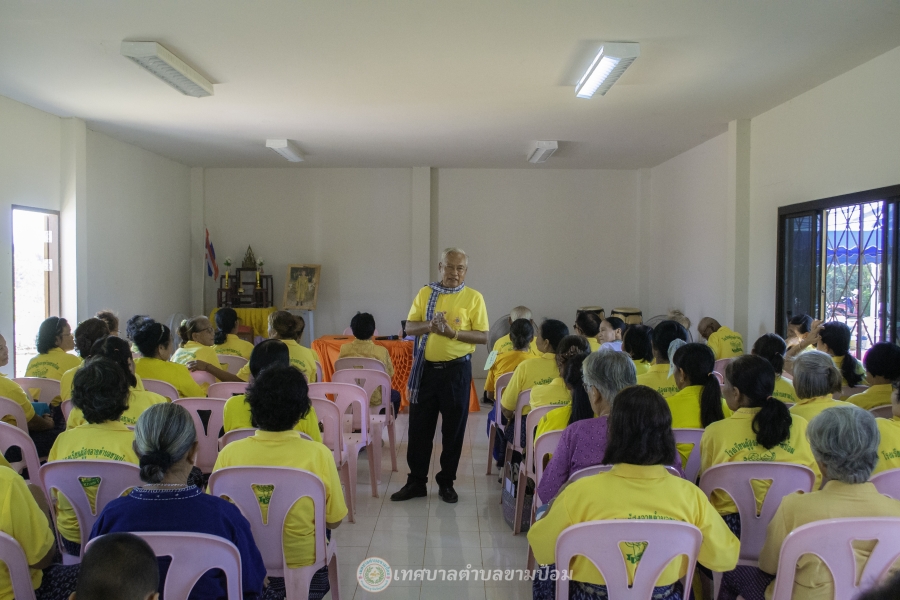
(374, 574)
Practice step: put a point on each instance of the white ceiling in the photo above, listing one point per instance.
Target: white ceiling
(427, 83)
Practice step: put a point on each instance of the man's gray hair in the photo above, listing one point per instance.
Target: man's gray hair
(608, 372)
(845, 439)
(520, 312)
(815, 375)
(453, 251)
(163, 431)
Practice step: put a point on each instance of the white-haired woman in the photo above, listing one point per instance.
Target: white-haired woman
(815, 380)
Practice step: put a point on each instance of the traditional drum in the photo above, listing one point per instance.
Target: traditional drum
(631, 316)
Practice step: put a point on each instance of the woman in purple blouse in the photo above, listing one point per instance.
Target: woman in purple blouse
(583, 443)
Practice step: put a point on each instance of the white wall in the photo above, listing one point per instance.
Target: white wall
(138, 229)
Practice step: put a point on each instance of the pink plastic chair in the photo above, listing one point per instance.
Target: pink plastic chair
(13, 556)
(544, 446)
(690, 436)
(531, 422)
(848, 391)
(11, 408)
(888, 483)
(66, 408)
(352, 400)
(163, 388)
(235, 435)
(522, 401)
(202, 377)
(226, 389)
(11, 436)
(329, 416)
(371, 380)
(735, 479)
(232, 364)
(830, 540)
(319, 376)
(290, 486)
(598, 541)
(885, 411)
(722, 364)
(209, 437)
(499, 386)
(64, 476)
(357, 362)
(46, 389)
(193, 554)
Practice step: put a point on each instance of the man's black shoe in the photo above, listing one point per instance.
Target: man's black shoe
(448, 494)
(410, 491)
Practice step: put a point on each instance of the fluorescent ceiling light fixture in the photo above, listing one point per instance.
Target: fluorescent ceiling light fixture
(286, 148)
(168, 67)
(608, 66)
(539, 152)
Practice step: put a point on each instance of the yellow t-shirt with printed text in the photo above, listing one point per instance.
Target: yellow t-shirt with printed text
(876, 395)
(197, 351)
(532, 372)
(65, 384)
(301, 357)
(173, 373)
(464, 311)
(889, 447)
(641, 366)
(657, 377)
(784, 390)
(234, 346)
(51, 365)
(554, 393)
(726, 343)
(237, 416)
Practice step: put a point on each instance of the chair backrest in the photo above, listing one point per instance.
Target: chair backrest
(736, 480)
(65, 476)
(888, 483)
(11, 408)
(347, 397)
(11, 436)
(319, 376)
(523, 401)
(847, 391)
(226, 389)
(329, 416)
(721, 365)
(235, 435)
(232, 364)
(66, 407)
(208, 438)
(598, 541)
(544, 445)
(357, 362)
(830, 540)
(885, 411)
(163, 388)
(290, 485)
(193, 554)
(202, 377)
(369, 380)
(531, 423)
(48, 388)
(499, 387)
(13, 556)
(690, 436)
(594, 469)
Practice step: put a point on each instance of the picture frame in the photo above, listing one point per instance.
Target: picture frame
(301, 288)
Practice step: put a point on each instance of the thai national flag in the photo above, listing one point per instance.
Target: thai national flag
(212, 268)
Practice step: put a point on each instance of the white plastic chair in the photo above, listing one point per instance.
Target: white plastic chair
(371, 380)
(64, 476)
(48, 389)
(689, 436)
(357, 362)
(232, 364)
(885, 411)
(12, 554)
(329, 416)
(499, 386)
(598, 541)
(12, 436)
(830, 540)
(163, 388)
(290, 485)
(226, 389)
(202, 377)
(526, 469)
(235, 435)
(193, 554)
(208, 438)
(11, 408)
(888, 483)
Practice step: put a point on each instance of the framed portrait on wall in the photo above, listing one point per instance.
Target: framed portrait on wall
(301, 288)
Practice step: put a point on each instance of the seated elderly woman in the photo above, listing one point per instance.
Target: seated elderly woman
(815, 380)
(639, 445)
(583, 443)
(844, 441)
(166, 442)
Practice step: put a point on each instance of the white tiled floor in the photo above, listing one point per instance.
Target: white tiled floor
(431, 533)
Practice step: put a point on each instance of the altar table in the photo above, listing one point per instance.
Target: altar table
(257, 318)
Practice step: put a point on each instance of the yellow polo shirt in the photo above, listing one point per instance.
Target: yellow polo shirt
(733, 440)
(506, 362)
(465, 311)
(234, 346)
(173, 373)
(51, 365)
(876, 395)
(657, 377)
(554, 393)
(642, 366)
(635, 492)
(138, 402)
(237, 416)
(196, 351)
(726, 343)
(889, 447)
(22, 519)
(531, 372)
(594, 344)
(810, 407)
(369, 349)
(812, 580)
(504, 344)
(685, 407)
(555, 420)
(111, 440)
(784, 390)
(288, 449)
(301, 357)
(13, 391)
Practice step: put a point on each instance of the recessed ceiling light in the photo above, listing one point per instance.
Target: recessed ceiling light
(608, 66)
(286, 148)
(168, 67)
(539, 152)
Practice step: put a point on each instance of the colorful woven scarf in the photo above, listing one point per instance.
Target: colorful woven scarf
(415, 375)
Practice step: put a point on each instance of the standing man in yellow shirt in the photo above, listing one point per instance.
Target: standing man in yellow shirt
(724, 342)
(448, 320)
